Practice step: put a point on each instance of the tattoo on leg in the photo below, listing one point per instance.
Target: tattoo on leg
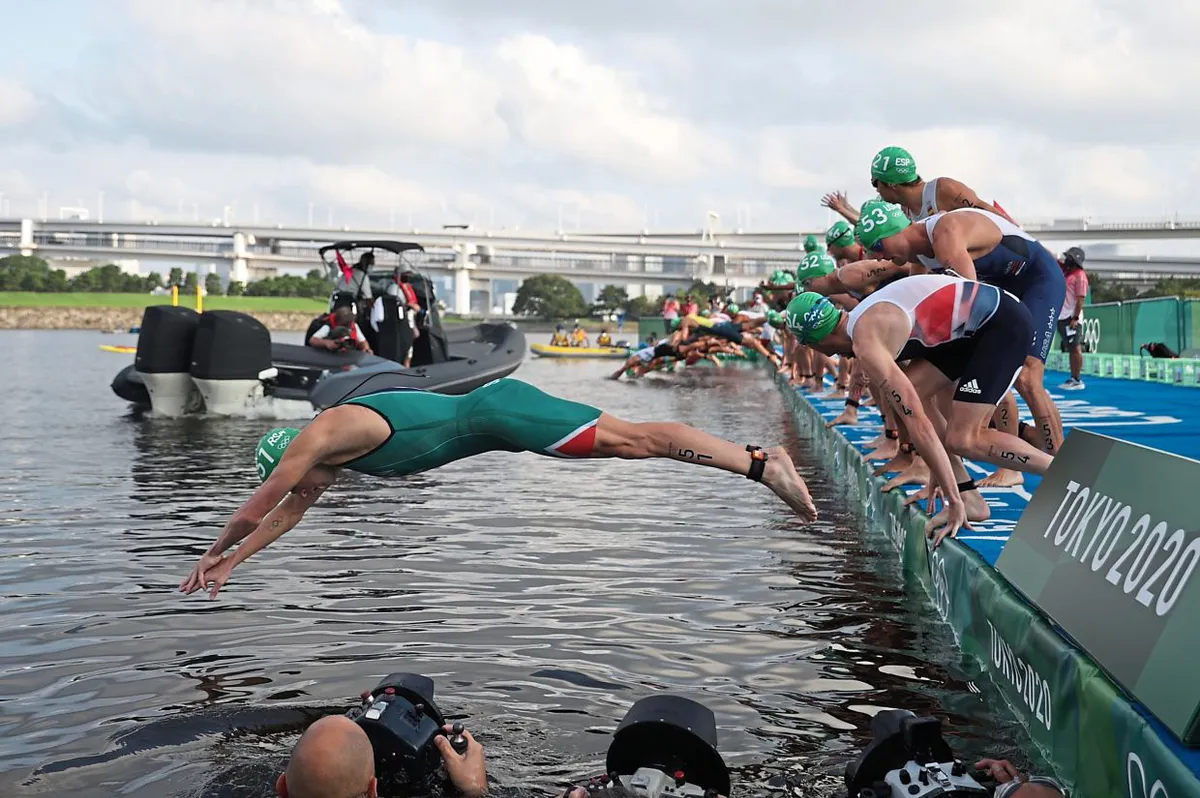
(888, 390)
(1004, 454)
(686, 454)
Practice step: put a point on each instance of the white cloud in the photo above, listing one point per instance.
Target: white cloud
(473, 110)
(17, 103)
(568, 103)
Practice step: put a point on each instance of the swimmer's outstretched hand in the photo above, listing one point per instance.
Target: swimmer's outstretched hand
(211, 568)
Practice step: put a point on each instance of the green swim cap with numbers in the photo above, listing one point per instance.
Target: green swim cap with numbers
(894, 166)
(810, 243)
(839, 234)
(878, 220)
(811, 317)
(271, 447)
(815, 264)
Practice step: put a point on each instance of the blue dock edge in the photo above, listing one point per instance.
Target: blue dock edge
(1100, 741)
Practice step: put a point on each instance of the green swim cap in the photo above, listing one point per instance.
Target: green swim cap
(811, 317)
(781, 277)
(815, 264)
(839, 234)
(894, 166)
(705, 312)
(810, 243)
(270, 448)
(733, 309)
(675, 322)
(878, 220)
(774, 317)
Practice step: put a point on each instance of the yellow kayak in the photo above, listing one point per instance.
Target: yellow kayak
(125, 350)
(546, 350)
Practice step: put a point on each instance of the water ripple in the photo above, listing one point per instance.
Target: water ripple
(543, 597)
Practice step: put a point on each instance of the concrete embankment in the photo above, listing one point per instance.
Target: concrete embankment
(55, 318)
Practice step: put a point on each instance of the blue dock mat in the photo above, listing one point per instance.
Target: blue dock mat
(1157, 415)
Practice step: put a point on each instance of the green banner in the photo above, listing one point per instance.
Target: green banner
(1097, 741)
(1108, 548)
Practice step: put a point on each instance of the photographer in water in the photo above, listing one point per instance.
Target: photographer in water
(334, 759)
(396, 735)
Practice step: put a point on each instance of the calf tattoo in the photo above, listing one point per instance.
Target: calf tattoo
(687, 454)
(897, 399)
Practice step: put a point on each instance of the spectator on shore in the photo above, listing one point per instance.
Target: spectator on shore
(1070, 341)
(670, 307)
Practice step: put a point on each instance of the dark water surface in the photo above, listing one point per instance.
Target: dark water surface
(543, 597)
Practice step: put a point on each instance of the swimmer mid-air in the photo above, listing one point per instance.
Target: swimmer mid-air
(401, 432)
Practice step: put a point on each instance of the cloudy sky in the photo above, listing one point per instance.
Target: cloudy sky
(612, 114)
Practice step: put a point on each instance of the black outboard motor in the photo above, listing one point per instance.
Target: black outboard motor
(164, 356)
(907, 758)
(230, 361)
(667, 745)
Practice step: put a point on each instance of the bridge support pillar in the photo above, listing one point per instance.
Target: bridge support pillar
(462, 291)
(239, 271)
(27, 237)
(462, 277)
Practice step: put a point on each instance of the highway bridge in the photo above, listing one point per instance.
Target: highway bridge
(477, 267)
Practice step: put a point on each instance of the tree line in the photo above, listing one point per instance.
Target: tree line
(552, 297)
(31, 273)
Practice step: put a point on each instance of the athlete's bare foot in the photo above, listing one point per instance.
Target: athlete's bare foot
(889, 449)
(916, 474)
(1002, 478)
(894, 466)
(784, 366)
(977, 508)
(847, 416)
(781, 477)
(838, 392)
(879, 440)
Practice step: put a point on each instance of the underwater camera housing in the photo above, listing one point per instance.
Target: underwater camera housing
(401, 720)
(908, 757)
(667, 746)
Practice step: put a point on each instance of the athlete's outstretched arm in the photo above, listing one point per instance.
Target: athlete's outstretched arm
(616, 437)
(270, 511)
(953, 194)
(899, 392)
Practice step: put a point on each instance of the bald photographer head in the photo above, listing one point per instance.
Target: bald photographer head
(334, 759)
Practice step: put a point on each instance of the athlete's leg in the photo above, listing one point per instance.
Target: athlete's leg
(1032, 387)
(937, 397)
(628, 440)
(1043, 299)
(516, 416)
(1006, 419)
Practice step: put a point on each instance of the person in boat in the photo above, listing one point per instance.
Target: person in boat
(604, 339)
(353, 285)
(560, 337)
(394, 433)
(339, 333)
(579, 336)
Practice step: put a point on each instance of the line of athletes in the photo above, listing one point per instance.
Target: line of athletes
(939, 305)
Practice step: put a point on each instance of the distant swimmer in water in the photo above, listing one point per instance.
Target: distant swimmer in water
(401, 432)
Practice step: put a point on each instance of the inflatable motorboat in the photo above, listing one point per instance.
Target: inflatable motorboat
(608, 352)
(224, 363)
